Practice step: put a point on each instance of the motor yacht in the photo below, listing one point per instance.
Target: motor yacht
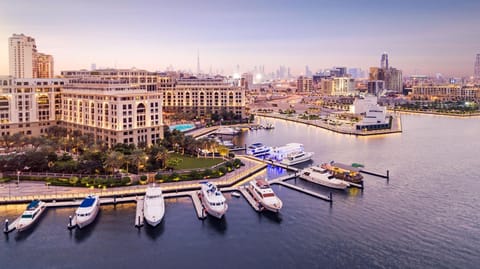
(297, 157)
(213, 200)
(153, 205)
(321, 176)
(87, 211)
(31, 215)
(258, 149)
(261, 191)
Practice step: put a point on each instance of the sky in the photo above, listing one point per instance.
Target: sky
(421, 36)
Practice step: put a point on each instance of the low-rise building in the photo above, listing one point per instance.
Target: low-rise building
(446, 92)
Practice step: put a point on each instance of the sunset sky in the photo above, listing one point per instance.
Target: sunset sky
(421, 37)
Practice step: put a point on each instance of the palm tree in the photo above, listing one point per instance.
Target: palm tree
(223, 150)
(139, 158)
(114, 160)
(162, 155)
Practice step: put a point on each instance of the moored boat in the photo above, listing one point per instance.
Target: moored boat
(297, 157)
(153, 205)
(321, 176)
(31, 215)
(213, 200)
(261, 191)
(280, 153)
(258, 149)
(344, 172)
(87, 211)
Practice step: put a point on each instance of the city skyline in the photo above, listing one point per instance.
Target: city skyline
(425, 37)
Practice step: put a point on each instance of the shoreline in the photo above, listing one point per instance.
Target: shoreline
(396, 123)
(436, 113)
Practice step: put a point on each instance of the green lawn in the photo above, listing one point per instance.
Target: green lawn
(194, 163)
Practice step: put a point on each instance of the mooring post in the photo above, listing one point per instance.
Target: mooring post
(330, 196)
(69, 221)
(6, 226)
(245, 148)
(114, 199)
(388, 174)
(138, 226)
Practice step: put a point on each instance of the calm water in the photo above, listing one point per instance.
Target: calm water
(426, 216)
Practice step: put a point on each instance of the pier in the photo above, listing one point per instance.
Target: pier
(9, 227)
(139, 212)
(250, 199)
(280, 181)
(387, 176)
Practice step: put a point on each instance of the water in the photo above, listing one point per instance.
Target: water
(425, 216)
(182, 127)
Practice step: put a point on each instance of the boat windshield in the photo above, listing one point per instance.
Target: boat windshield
(153, 196)
(268, 195)
(27, 216)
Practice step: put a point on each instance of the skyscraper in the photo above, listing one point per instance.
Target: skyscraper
(22, 56)
(44, 65)
(477, 67)
(384, 61)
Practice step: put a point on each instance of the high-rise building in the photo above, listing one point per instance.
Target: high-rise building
(384, 61)
(394, 80)
(376, 73)
(304, 84)
(22, 56)
(247, 79)
(375, 87)
(477, 67)
(44, 65)
(25, 61)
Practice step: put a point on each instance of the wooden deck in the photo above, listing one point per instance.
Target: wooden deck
(250, 199)
(139, 212)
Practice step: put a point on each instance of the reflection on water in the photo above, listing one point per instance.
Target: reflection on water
(80, 235)
(154, 232)
(219, 225)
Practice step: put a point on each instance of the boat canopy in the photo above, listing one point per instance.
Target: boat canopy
(87, 202)
(345, 167)
(33, 204)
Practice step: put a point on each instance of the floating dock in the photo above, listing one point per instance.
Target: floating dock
(249, 198)
(197, 204)
(72, 222)
(300, 189)
(387, 176)
(139, 212)
(9, 227)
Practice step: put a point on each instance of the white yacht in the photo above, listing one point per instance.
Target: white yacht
(213, 200)
(280, 153)
(227, 131)
(261, 191)
(32, 213)
(87, 211)
(297, 157)
(321, 176)
(258, 149)
(153, 206)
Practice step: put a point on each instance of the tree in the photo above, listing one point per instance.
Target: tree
(173, 162)
(162, 156)
(114, 160)
(223, 150)
(138, 158)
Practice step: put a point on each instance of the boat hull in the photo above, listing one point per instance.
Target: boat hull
(23, 227)
(325, 182)
(214, 212)
(153, 222)
(294, 162)
(85, 221)
(268, 206)
(151, 219)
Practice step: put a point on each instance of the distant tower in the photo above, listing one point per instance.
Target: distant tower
(477, 67)
(22, 56)
(93, 67)
(384, 61)
(198, 62)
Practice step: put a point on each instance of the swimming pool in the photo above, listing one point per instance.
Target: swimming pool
(182, 127)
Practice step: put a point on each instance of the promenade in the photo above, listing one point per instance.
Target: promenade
(396, 125)
(28, 190)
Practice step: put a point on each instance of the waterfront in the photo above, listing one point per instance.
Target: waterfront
(426, 216)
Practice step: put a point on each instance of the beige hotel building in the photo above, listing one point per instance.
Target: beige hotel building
(116, 106)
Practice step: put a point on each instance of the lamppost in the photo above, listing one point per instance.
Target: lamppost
(18, 178)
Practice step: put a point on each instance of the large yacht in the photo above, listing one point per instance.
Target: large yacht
(87, 211)
(323, 177)
(297, 157)
(261, 191)
(258, 149)
(213, 200)
(153, 205)
(344, 172)
(280, 153)
(32, 213)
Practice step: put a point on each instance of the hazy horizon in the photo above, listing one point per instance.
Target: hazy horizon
(421, 37)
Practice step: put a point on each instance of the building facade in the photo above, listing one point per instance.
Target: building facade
(477, 68)
(29, 106)
(304, 84)
(202, 97)
(375, 87)
(115, 106)
(446, 93)
(25, 61)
